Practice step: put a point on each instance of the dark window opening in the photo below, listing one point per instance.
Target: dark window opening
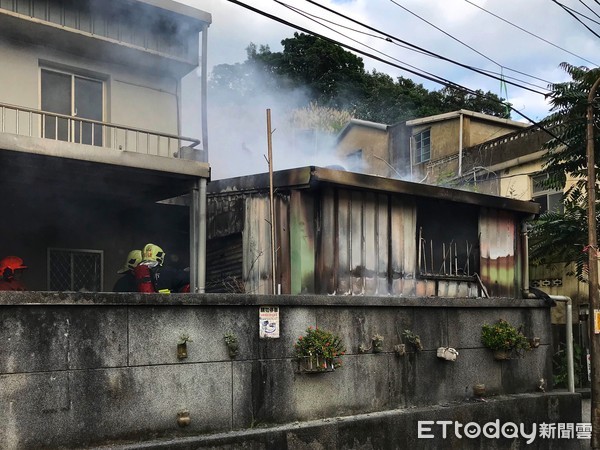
(447, 240)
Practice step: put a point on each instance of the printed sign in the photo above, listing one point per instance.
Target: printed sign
(268, 322)
(596, 321)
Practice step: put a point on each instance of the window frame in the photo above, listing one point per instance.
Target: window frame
(71, 253)
(538, 191)
(75, 75)
(419, 153)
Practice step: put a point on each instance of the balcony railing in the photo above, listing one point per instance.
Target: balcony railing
(60, 127)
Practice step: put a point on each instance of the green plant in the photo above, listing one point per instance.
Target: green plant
(232, 344)
(377, 340)
(413, 338)
(322, 344)
(560, 365)
(184, 338)
(502, 336)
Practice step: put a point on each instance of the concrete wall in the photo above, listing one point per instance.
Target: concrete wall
(82, 369)
(374, 144)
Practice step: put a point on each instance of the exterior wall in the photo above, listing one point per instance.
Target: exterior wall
(131, 99)
(445, 144)
(79, 370)
(373, 142)
(342, 241)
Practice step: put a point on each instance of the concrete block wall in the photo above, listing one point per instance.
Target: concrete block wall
(83, 369)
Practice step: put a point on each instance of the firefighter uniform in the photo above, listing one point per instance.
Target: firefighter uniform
(152, 276)
(11, 268)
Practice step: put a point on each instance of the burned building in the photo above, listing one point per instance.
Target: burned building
(342, 233)
(90, 136)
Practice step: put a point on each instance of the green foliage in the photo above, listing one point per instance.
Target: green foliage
(560, 365)
(413, 339)
(317, 342)
(503, 336)
(563, 237)
(335, 78)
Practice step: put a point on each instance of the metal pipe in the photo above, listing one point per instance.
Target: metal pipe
(569, 319)
(204, 90)
(460, 143)
(525, 260)
(202, 237)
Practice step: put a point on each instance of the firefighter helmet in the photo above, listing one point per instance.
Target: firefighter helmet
(9, 264)
(153, 253)
(133, 259)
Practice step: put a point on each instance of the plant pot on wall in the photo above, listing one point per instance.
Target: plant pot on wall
(315, 364)
(502, 355)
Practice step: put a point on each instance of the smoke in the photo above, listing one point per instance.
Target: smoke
(302, 133)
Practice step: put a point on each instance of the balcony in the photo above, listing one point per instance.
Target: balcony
(61, 149)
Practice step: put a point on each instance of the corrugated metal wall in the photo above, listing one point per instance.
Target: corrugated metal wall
(340, 241)
(498, 240)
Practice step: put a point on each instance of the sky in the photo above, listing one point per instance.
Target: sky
(523, 42)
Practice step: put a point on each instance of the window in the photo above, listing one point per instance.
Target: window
(549, 199)
(354, 160)
(76, 96)
(447, 240)
(422, 147)
(75, 270)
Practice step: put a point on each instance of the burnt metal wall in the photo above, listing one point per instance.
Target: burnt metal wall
(342, 241)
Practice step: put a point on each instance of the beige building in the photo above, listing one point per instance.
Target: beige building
(90, 136)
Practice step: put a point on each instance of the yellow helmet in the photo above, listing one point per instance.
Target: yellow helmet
(153, 252)
(133, 259)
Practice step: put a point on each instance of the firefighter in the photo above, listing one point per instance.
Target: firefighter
(127, 282)
(153, 276)
(11, 270)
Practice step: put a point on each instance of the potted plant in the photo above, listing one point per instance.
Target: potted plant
(504, 340)
(231, 342)
(318, 351)
(413, 339)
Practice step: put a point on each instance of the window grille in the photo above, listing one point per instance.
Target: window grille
(75, 270)
(422, 147)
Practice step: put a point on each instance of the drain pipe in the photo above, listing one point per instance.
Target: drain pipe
(570, 367)
(525, 260)
(557, 298)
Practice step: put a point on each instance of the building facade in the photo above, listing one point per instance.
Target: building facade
(90, 136)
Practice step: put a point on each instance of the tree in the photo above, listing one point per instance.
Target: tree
(333, 77)
(562, 237)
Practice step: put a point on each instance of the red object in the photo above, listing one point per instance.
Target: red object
(12, 285)
(185, 289)
(143, 279)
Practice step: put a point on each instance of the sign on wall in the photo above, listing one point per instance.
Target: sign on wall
(268, 322)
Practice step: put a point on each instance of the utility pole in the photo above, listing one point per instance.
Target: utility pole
(594, 297)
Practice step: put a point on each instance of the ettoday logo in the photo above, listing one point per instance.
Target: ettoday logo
(429, 429)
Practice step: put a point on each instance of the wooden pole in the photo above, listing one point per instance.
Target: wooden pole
(271, 204)
(593, 269)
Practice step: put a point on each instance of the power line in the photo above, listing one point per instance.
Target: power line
(318, 20)
(590, 9)
(572, 13)
(377, 58)
(467, 45)
(531, 34)
(465, 66)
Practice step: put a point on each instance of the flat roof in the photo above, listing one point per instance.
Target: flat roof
(312, 176)
(180, 8)
(465, 112)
